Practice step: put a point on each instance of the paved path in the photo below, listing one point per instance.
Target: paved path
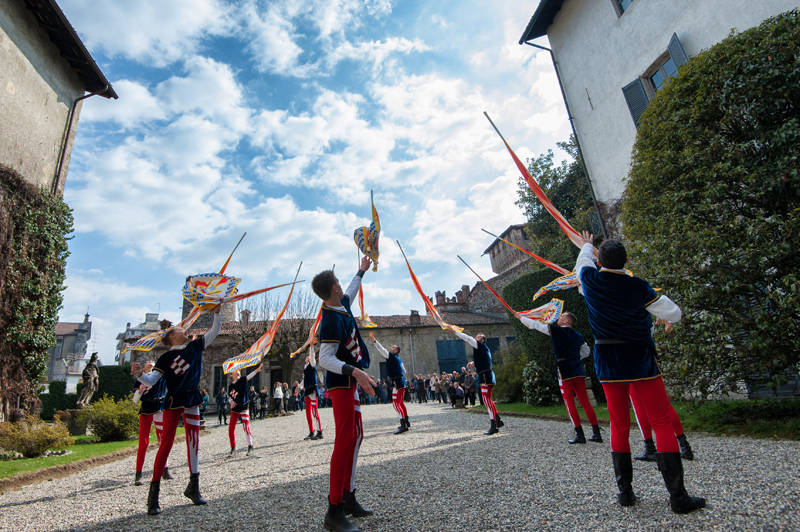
(442, 475)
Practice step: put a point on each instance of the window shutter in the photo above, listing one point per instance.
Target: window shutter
(676, 51)
(636, 98)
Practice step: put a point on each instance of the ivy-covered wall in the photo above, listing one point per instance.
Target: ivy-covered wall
(34, 229)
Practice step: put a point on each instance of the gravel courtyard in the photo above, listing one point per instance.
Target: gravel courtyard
(444, 474)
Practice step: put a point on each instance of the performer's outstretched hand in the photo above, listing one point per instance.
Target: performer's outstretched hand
(136, 369)
(365, 263)
(587, 237)
(371, 336)
(667, 324)
(366, 382)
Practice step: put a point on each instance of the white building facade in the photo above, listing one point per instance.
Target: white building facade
(613, 55)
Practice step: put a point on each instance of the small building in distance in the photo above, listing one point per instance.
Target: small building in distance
(68, 357)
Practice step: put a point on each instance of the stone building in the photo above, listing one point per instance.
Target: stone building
(68, 357)
(150, 324)
(45, 74)
(612, 56)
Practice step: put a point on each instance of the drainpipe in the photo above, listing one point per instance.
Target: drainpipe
(574, 133)
(411, 345)
(63, 154)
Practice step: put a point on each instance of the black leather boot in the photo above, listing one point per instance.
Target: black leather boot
(492, 428)
(336, 520)
(407, 422)
(623, 471)
(233, 450)
(249, 450)
(596, 437)
(351, 505)
(686, 449)
(137, 480)
(318, 435)
(579, 436)
(167, 475)
(649, 453)
(152, 499)
(672, 470)
(310, 436)
(499, 421)
(402, 428)
(193, 489)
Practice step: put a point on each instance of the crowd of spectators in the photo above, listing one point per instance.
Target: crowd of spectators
(458, 389)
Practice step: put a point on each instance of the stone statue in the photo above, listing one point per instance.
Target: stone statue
(91, 381)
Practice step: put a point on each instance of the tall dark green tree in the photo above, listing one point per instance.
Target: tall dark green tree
(712, 208)
(567, 187)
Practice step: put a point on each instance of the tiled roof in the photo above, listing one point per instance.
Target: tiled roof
(64, 328)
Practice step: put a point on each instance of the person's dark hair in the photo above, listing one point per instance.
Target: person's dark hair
(572, 319)
(322, 284)
(166, 341)
(613, 254)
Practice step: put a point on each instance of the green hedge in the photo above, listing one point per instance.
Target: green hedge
(536, 345)
(56, 400)
(712, 208)
(115, 381)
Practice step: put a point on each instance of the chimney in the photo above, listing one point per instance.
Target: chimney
(245, 316)
(440, 298)
(414, 318)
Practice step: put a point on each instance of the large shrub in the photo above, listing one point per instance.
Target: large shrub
(32, 437)
(537, 385)
(538, 346)
(712, 207)
(112, 420)
(34, 229)
(508, 366)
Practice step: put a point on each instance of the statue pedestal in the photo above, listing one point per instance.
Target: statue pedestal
(75, 419)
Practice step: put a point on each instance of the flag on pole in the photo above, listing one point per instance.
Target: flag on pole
(366, 238)
(261, 347)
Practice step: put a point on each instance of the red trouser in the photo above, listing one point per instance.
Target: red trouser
(245, 417)
(653, 401)
(644, 423)
(398, 402)
(145, 421)
(570, 388)
(312, 413)
(349, 433)
(191, 422)
(486, 393)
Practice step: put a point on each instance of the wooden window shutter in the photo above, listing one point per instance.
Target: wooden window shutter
(676, 51)
(636, 98)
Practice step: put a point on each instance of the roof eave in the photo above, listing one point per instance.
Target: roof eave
(541, 20)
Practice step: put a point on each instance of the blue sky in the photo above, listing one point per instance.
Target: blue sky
(277, 118)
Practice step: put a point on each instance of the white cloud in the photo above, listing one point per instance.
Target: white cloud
(149, 31)
(375, 52)
(136, 105)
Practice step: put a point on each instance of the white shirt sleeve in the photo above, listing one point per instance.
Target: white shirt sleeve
(327, 357)
(252, 374)
(584, 351)
(137, 395)
(312, 356)
(214, 330)
(585, 259)
(535, 324)
(149, 378)
(666, 309)
(382, 350)
(467, 338)
(352, 288)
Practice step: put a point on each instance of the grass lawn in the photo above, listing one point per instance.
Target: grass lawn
(85, 447)
(761, 418)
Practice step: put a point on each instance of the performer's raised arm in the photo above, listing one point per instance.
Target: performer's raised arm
(533, 324)
(214, 330)
(254, 372)
(382, 350)
(467, 338)
(665, 309)
(148, 379)
(352, 288)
